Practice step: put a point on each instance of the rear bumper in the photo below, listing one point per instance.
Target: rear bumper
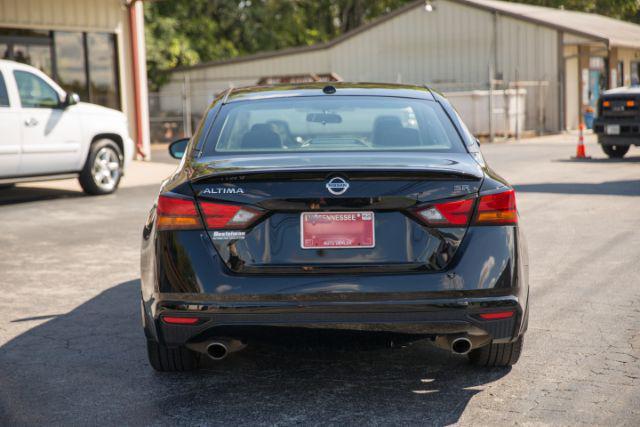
(183, 276)
(419, 317)
(629, 131)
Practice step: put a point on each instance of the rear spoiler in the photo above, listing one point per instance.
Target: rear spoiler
(316, 173)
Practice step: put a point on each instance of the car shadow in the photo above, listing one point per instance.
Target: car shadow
(89, 365)
(25, 194)
(612, 188)
(626, 159)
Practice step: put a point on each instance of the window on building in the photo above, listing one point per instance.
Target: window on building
(620, 74)
(103, 70)
(71, 67)
(27, 46)
(4, 96)
(35, 92)
(635, 73)
(36, 55)
(4, 51)
(84, 63)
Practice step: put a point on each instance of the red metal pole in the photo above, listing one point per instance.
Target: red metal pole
(133, 31)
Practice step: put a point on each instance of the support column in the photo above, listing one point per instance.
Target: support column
(613, 68)
(583, 80)
(139, 60)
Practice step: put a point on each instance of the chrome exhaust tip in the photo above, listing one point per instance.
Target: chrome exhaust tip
(461, 345)
(217, 350)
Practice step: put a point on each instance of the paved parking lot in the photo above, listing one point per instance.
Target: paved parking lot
(72, 350)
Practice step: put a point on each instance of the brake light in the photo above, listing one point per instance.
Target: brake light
(447, 214)
(631, 103)
(222, 215)
(177, 214)
(496, 315)
(175, 320)
(606, 104)
(497, 209)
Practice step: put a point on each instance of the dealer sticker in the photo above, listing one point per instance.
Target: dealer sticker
(227, 235)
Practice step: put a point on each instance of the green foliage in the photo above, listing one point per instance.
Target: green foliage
(186, 32)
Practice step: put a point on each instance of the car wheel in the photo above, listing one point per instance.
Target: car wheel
(102, 171)
(615, 151)
(167, 359)
(497, 355)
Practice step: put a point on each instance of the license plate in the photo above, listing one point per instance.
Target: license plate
(612, 130)
(337, 230)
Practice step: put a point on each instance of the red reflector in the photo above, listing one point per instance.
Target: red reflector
(455, 213)
(177, 214)
(180, 320)
(223, 215)
(497, 209)
(496, 315)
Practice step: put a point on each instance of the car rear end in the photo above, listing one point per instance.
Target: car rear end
(618, 121)
(341, 232)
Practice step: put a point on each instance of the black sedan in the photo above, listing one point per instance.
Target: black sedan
(363, 211)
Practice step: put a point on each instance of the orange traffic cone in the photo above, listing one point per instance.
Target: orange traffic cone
(580, 151)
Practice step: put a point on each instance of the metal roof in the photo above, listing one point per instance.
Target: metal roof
(612, 32)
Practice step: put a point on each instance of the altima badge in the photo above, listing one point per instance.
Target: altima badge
(337, 186)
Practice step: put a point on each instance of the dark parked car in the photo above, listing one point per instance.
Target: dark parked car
(360, 210)
(618, 122)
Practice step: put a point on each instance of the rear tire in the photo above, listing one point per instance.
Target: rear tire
(497, 355)
(103, 169)
(167, 359)
(615, 151)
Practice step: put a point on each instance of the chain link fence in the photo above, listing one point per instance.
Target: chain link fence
(502, 109)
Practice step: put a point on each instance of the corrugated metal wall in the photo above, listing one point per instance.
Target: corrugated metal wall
(450, 48)
(95, 15)
(450, 45)
(206, 82)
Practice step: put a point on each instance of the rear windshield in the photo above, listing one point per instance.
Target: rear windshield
(334, 123)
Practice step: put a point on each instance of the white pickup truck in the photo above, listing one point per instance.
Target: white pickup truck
(46, 133)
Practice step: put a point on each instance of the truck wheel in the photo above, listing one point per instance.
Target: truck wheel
(615, 151)
(166, 359)
(102, 171)
(497, 355)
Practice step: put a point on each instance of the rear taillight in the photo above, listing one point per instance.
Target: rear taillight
(447, 214)
(175, 320)
(497, 209)
(227, 216)
(177, 214)
(496, 315)
(493, 209)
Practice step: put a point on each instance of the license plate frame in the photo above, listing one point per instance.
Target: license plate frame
(612, 129)
(367, 218)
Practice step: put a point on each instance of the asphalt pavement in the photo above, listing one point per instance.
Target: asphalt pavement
(72, 350)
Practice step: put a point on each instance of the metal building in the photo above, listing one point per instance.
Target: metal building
(92, 47)
(560, 59)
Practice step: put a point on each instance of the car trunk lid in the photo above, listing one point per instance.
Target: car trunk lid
(284, 188)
